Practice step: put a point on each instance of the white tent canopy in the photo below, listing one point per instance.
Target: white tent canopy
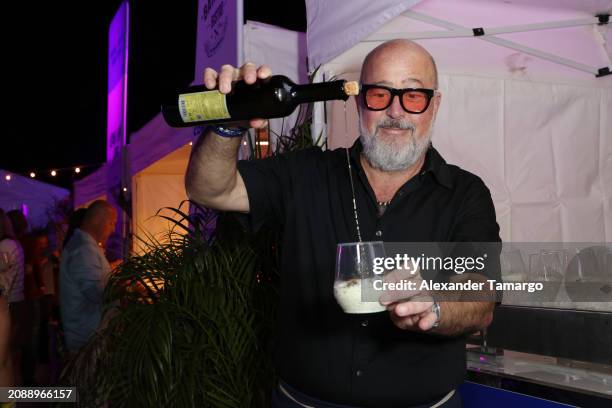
(550, 40)
(157, 157)
(538, 132)
(33, 197)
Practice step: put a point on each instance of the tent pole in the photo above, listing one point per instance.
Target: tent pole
(542, 26)
(461, 31)
(541, 54)
(420, 35)
(601, 40)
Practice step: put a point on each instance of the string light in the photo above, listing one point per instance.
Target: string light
(54, 172)
(7, 177)
(190, 143)
(124, 189)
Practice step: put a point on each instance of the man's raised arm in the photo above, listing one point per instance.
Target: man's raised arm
(212, 177)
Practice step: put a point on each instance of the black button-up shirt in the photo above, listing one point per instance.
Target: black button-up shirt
(361, 360)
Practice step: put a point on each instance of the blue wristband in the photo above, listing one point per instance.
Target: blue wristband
(227, 131)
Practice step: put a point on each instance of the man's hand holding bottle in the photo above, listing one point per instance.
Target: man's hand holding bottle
(223, 81)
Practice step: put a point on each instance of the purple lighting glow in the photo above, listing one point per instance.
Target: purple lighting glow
(117, 82)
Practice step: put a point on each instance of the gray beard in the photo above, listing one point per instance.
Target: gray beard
(393, 156)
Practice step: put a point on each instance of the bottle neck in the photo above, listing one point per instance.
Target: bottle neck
(318, 92)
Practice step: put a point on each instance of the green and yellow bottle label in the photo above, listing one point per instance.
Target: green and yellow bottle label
(199, 106)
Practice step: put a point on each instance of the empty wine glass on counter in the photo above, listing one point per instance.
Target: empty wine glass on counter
(552, 265)
(546, 267)
(512, 266)
(588, 277)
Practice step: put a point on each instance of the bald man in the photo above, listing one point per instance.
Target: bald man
(84, 272)
(413, 355)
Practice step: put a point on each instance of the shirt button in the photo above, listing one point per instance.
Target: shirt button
(379, 233)
(359, 373)
(364, 323)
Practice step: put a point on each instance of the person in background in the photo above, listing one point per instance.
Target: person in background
(114, 250)
(12, 274)
(33, 289)
(6, 374)
(19, 223)
(42, 265)
(84, 272)
(74, 222)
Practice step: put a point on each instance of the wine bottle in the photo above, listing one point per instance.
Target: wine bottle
(273, 97)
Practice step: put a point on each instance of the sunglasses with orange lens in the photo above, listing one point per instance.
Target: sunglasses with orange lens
(413, 100)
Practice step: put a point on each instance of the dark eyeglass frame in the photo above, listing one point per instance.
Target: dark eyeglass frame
(429, 93)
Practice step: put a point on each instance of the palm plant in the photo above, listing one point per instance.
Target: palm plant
(187, 324)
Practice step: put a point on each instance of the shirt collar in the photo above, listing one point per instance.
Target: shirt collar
(85, 236)
(434, 164)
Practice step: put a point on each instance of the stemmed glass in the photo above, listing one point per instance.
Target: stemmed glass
(513, 267)
(355, 273)
(552, 265)
(588, 276)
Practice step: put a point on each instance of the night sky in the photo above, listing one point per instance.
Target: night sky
(56, 55)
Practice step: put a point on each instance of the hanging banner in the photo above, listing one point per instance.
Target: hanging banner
(117, 82)
(219, 35)
(116, 130)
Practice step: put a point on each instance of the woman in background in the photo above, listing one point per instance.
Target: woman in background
(11, 286)
(13, 252)
(6, 374)
(13, 278)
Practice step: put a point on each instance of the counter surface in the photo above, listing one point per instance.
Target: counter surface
(588, 378)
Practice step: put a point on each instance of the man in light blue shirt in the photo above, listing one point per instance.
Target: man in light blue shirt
(84, 272)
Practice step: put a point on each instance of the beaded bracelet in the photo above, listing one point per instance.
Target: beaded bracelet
(227, 131)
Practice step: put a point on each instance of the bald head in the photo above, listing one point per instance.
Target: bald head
(390, 50)
(99, 220)
(98, 210)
